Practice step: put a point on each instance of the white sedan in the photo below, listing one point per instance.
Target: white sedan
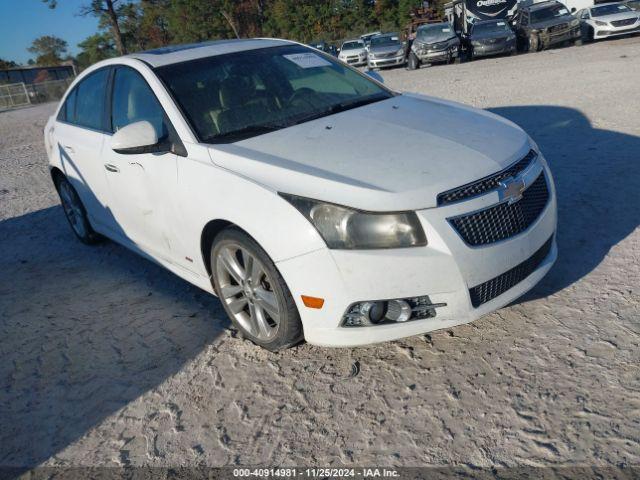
(607, 20)
(315, 202)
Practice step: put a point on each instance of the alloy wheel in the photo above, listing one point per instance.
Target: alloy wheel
(247, 290)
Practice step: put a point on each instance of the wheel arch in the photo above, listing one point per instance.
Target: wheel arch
(209, 233)
(56, 175)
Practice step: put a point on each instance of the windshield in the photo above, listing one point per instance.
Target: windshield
(352, 46)
(434, 33)
(384, 40)
(609, 10)
(491, 27)
(548, 13)
(227, 98)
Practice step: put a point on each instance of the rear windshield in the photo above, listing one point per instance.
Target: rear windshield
(609, 10)
(548, 13)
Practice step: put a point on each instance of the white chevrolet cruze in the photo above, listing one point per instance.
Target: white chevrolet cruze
(315, 202)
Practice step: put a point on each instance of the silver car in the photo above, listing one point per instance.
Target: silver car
(608, 20)
(436, 42)
(386, 50)
(353, 52)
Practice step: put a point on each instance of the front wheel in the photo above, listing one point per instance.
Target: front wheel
(253, 293)
(577, 42)
(413, 62)
(75, 212)
(534, 43)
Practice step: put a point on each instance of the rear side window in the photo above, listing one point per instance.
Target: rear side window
(90, 101)
(133, 101)
(68, 111)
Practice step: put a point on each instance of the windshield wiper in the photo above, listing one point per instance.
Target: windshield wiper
(244, 133)
(339, 107)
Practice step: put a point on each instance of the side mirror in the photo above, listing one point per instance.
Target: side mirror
(136, 138)
(375, 75)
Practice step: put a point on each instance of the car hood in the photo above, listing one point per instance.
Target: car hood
(553, 21)
(397, 154)
(353, 51)
(617, 16)
(480, 37)
(439, 40)
(385, 49)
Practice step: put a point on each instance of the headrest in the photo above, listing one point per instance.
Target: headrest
(235, 92)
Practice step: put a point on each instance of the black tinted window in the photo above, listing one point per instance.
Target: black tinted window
(133, 101)
(90, 100)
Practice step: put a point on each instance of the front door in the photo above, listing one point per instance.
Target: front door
(141, 185)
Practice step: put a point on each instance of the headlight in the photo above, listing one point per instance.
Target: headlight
(400, 52)
(575, 22)
(602, 24)
(348, 229)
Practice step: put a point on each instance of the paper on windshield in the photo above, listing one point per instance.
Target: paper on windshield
(501, 24)
(563, 11)
(446, 30)
(307, 60)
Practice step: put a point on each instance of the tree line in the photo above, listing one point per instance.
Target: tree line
(127, 26)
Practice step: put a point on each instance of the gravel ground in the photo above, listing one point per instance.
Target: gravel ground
(110, 360)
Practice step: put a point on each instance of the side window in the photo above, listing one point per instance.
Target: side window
(90, 100)
(133, 101)
(68, 111)
(585, 14)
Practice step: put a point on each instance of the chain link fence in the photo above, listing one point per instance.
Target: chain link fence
(13, 95)
(20, 94)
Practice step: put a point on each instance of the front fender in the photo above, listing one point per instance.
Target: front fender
(207, 192)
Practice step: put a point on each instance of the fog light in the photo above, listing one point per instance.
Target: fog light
(374, 311)
(399, 310)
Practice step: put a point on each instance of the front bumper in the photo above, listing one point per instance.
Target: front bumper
(444, 270)
(485, 50)
(355, 62)
(554, 38)
(608, 32)
(438, 55)
(386, 62)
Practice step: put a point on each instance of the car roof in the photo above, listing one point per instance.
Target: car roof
(180, 53)
(605, 4)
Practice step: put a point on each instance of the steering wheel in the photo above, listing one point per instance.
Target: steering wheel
(302, 94)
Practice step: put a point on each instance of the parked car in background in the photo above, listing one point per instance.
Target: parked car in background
(632, 4)
(386, 50)
(366, 38)
(435, 42)
(607, 20)
(489, 37)
(211, 160)
(353, 52)
(542, 25)
(325, 47)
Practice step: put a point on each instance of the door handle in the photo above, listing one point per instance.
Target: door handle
(111, 168)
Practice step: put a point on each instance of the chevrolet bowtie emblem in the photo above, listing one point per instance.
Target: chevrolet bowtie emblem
(511, 189)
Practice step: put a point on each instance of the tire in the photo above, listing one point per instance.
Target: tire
(259, 302)
(75, 212)
(533, 43)
(577, 42)
(413, 63)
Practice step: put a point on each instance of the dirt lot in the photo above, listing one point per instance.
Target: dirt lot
(109, 360)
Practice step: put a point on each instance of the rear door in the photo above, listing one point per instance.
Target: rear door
(80, 133)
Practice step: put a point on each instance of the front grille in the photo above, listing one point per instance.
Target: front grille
(438, 46)
(485, 184)
(622, 23)
(504, 220)
(558, 28)
(489, 290)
